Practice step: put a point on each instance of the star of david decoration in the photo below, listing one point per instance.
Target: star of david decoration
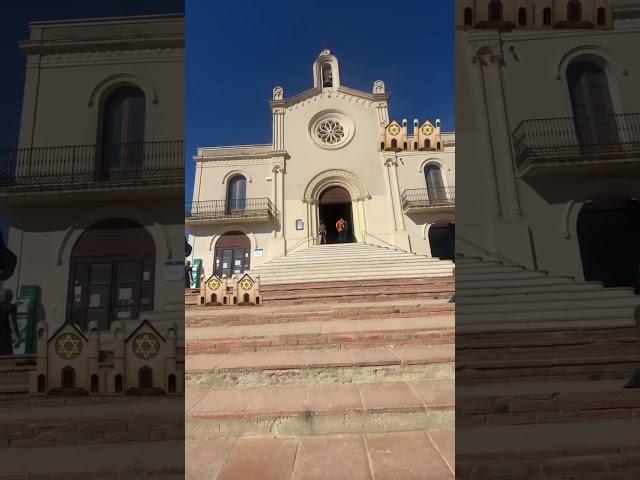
(246, 284)
(68, 346)
(145, 346)
(394, 129)
(214, 284)
(427, 129)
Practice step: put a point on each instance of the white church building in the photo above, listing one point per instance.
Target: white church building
(334, 153)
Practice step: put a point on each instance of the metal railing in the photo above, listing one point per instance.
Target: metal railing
(428, 198)
(86, 164)
(223, 209)
(567, 139)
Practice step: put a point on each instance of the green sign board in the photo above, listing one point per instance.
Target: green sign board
(27, 309)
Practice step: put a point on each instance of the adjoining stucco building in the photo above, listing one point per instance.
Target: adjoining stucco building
(93, 192)
(334, 153)
(548, 101)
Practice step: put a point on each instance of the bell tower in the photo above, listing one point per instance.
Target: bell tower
(326, 72)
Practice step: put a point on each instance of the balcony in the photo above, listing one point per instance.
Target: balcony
(589, 145)
(249, 210)
(92, 167)
(423, 200)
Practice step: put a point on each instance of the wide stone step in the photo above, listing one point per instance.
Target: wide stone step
(315, 367)
(562, 286)
(548, 402)
(465, 287)
(258, 315)
(338, 334)
(322, 409)
(559, 305)
(573, 314)
(580, 450)
(360, 283)
(352, 456)
(546, 296)
(346, 262)
(304, 278)
(49, 421)
(134, 459)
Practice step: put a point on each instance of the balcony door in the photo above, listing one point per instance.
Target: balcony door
(435, 184)
(232, 254)
(237, 194)
(123, 130)
(593, 112)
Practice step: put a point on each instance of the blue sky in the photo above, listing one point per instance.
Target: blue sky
(237, 54)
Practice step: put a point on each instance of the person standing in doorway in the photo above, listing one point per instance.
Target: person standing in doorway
(9, 337)
(322, 232)
(342, 226)
(187, 275)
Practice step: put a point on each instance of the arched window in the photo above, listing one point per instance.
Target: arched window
(522, 17)
(112, 273)
(119, 384)
(68, 377)
(415, 145)
(95, 383)
(145, 377)
(171, 381)
(237, 193)
(327, 75)
(438, 146)
(601, 17)
(381, 145)
(41, 383)
(546, 17)
(468, 17)
(591, 102)
(394, 143)
(405, 146)
(123, 129)
(435, 185)
(495, 11)
(574, 11)
(427, 143)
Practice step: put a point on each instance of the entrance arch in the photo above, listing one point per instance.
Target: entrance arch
(112, 273)
(335, 203)
(442, 238)
(609, 235)
(232, 254)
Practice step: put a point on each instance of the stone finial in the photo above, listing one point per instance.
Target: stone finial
(378, 86)
(278, 93)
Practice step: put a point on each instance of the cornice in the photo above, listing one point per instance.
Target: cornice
(93, 46)
(340, 92)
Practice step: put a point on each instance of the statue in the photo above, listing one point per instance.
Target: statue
(327, 76)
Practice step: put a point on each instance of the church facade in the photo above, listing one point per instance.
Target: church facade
(335, 153)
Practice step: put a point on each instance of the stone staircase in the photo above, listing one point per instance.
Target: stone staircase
(351, 261)
(541, 365)
(326, 368)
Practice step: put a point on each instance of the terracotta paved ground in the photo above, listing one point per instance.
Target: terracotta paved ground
(390, 456)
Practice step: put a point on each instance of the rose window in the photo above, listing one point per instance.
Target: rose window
(330, 132)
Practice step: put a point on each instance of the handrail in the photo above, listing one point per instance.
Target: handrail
(288, 250)
(487, 252)
(364, 234)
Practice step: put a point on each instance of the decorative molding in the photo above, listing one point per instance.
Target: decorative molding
(118, 79)
(335, 177)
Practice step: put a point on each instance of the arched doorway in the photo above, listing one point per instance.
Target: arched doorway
(112, 273)
(442, 237)
(232, 254)
(335, 203)
(609, 235)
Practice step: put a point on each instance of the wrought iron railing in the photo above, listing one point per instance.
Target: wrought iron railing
(428, 198)
(86, 164)
(568, 139)
(223, 209)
